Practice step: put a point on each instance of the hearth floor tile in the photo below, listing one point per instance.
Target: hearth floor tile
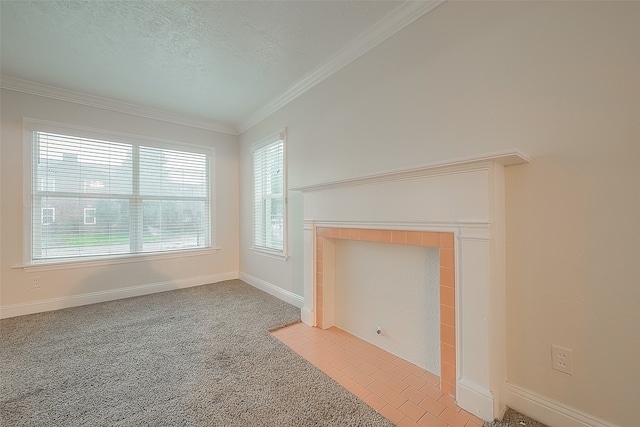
(399, 390)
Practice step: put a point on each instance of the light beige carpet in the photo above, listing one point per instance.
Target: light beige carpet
(201, 356)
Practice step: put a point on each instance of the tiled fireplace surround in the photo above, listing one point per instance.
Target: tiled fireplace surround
(457, 207)
(443, 241)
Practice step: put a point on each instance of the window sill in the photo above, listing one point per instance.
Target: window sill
(270, 254)
(119, 259)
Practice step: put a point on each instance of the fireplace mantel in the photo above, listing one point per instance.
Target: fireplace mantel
(462, 198)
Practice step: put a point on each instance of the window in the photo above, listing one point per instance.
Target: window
(89, 216)
(114, 195)
(269, 203)
(48, 216)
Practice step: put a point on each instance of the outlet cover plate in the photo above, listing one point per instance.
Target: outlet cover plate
(562, 359)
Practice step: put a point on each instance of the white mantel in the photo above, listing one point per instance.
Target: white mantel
(465, 197)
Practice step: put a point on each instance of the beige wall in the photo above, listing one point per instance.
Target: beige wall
(559, 81)
(109, 281)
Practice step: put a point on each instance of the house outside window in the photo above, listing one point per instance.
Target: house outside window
(104, 195)
(89, 216)
(48, 216)
(269, 191)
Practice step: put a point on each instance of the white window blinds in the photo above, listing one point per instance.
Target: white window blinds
(269, 207)
(112, 198)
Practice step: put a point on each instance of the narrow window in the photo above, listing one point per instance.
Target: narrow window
(269, 189)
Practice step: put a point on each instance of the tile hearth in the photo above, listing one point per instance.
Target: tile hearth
(399, 390)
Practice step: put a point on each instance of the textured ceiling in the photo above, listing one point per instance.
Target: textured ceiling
(211, 60)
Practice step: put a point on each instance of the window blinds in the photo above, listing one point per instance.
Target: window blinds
(269, 200)
(93, 198)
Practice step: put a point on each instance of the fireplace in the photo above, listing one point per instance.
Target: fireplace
(457, 207)
(444, 241)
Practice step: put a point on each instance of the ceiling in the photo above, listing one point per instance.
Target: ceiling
(223, 65)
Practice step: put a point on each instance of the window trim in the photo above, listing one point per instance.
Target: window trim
(281, 255)
(31, 124)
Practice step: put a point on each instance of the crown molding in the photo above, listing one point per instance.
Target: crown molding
(463, 165)
(32, 88)
(398, 19)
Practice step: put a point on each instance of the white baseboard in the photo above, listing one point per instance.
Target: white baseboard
(475, 400)
(549, 411)
(308, 317)
(284, 295)
(109, 295)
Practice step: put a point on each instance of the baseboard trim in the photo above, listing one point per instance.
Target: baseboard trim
(58, 303)
(307, 316)
(475, 400)
(284, 295)
(549, 411)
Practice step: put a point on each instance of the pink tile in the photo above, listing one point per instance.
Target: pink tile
(384, 236)
(407, 422)
(429, 420)
(381, 375)
(430, 239)
(447, 257)
(412, 410)
(378, 388)
(448, 401)
(385, 365)
(415, 382)
(432, 391)
(375, 401)
(414, 238)
(396, 385)
(413, 394)
(452, 418)
(447, 277)
(369, 368)
(359, 390)
(363, 378)
(392, 414)
(471, 417)
(393, 398)
(446, 240)
(399, 237)
(432, 406)
(399, 373)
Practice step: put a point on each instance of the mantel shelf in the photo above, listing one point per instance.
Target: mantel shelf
(507, 158)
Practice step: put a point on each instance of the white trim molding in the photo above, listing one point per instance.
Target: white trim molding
(549, 411)
(276, 291)
(463, 196)
(402, 16)
(33, 88)
(462, 165)
(58, 303)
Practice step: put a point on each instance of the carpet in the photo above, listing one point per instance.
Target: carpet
(514, 418)
(200, 356)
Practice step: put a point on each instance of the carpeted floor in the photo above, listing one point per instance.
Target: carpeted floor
(193, 357)
(515, 419)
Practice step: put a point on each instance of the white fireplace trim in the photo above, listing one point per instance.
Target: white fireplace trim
(465, 197)
(461, 165)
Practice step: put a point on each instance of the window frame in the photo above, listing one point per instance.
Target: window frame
(30, 125)
(263, 250)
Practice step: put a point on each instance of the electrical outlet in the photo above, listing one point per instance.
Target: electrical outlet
(562, 359)
(35, 283)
